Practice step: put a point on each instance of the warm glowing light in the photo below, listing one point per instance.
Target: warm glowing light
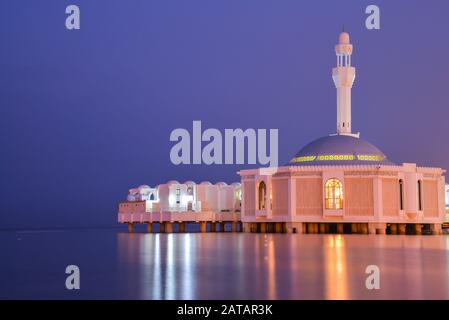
(338, 157)
(334, 194)
(365, 157)
(304, 159)
(262, 195)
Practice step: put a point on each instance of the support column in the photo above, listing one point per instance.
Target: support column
(149, 227)
(436, 228)
(418, 229)
(202, 227)
(263, 227)
(130, 227)
(253, 227)
(162, 227)
(364, 229)
(278, 227)
(354, 228)
(213, 227)
(234, 226)
(340, 228)
(246, 227)
(322, 228)
(182, 227)
(402, 228)
(292, 227)
(394, 228)
(169, 227)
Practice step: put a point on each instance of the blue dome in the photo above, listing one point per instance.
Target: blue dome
(339, 149)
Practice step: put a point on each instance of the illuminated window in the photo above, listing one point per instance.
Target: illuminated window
(334, 194)
(364, 157)
(178, 196)
(262, 195)
(238, 194)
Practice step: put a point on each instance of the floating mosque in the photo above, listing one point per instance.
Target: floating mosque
(339, 183)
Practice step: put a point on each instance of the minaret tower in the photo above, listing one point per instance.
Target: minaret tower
(344, 76)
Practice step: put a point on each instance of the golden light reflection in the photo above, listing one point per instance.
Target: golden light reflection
(336, 270)
(271, 260)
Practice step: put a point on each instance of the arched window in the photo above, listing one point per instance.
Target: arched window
(238, 194)
(262, 195)
(152, 196)
(334, 194)
(401, 194)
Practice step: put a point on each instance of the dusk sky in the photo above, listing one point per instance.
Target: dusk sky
(87, 114)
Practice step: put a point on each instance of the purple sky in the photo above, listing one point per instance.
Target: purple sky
(85, 115)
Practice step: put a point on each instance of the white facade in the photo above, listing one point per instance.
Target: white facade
(174, 196)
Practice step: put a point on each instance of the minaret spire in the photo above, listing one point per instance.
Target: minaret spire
(343, 75)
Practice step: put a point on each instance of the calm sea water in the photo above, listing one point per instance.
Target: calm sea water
(118, 265)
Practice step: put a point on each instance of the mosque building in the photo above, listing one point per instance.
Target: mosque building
(336, 184)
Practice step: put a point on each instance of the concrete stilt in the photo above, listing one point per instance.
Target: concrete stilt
(365, 230)
(162, 227)
(354, 228)
(203, 227)
(322, 228)
(169, 227)
(340, 228)
(418, 229)
(294, 227)
(213, 226)
(234, 226)
(278, 227)
(130, 227)
(436, 228)
(307, 228)
(402, 228)
(263, 227)
(253, 227)
(182, 227)
(246, 227)
(381, 228)
(394, 228)
(149, 227)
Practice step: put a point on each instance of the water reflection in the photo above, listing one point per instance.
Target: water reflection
(336, 287)
(272, 266)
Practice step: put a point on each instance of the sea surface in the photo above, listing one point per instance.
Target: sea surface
(116, 265)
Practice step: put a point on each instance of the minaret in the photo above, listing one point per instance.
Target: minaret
(344, 76)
